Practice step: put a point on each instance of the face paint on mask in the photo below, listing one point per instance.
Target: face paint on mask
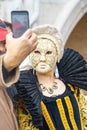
(44, 57)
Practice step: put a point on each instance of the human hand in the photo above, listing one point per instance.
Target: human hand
(17, 49)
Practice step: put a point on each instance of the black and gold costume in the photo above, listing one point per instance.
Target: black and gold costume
(61, 112)
(38, 112)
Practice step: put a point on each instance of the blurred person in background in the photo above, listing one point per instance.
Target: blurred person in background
(13, 52)
(5, 28)
(3, 32)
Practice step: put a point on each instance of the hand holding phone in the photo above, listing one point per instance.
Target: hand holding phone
(20, 22)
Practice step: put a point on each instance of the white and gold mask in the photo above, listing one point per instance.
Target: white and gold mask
(44, 57)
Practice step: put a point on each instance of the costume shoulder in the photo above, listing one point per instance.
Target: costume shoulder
(73, 68)
(27, 90)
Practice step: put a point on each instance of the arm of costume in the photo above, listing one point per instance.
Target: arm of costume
(7, 78)
(73, 69)
(27, 90)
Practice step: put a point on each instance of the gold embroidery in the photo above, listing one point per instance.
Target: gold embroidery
(71, 87)
(24, 117)
(71, 113)
(47, 117)
(82, 103)
(62, 114)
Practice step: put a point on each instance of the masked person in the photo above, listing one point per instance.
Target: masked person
(48, 93)
(16, 51)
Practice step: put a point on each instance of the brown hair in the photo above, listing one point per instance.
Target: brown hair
(8, 24)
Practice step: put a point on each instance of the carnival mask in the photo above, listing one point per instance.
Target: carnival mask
(44, 57)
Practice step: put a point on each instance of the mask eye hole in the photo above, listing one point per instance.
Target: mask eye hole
(49, 52)
(36, 52)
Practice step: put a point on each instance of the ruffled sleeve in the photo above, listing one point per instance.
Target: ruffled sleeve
(73, 69)
(27, 89)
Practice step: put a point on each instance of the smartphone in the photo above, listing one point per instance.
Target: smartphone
(20, 22)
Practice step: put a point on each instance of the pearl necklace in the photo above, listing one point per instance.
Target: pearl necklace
(50, 90)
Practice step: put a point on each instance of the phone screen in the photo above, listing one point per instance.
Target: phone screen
(20, 22)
